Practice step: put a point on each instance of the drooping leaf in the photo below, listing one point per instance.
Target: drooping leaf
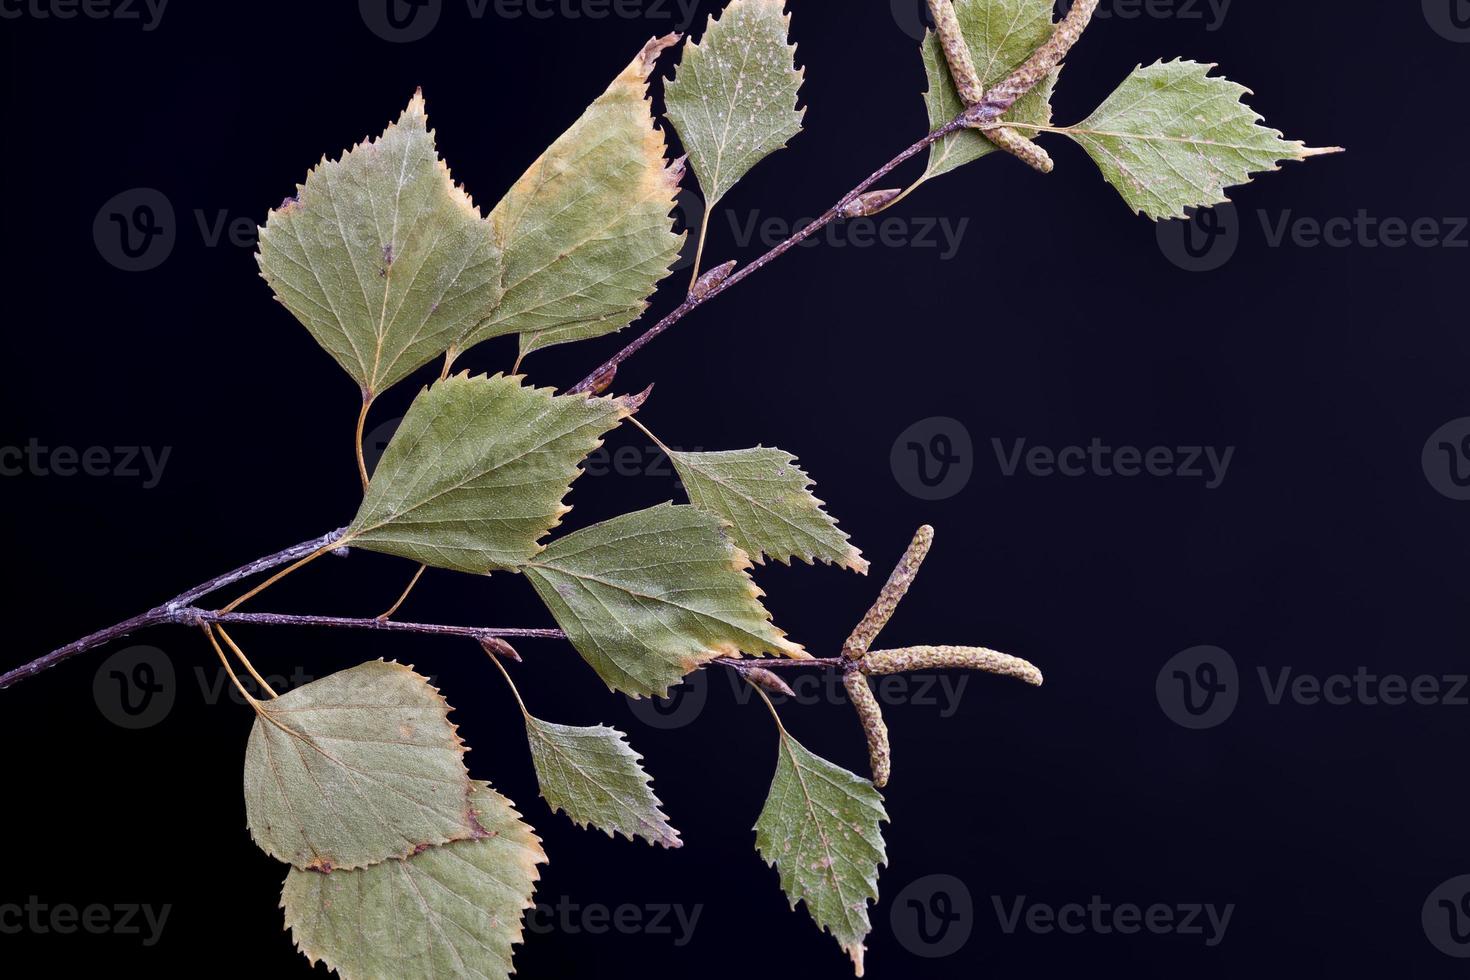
(586, 231)
(381, 256)
(1171, 137)
(594, 776)
(356, 768)
(450, 911)
(733, 100)
(649, 596)
(1001, 34)
(820, 828)
(768, 500)
(475, 475)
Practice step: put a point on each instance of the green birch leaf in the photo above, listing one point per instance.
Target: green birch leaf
(820, 828)
(356, 768)
(768, 500)
(381, 256)
(649, 596)
(594, 777)
(454, 910)
(475, 475)
(1171, 137)
(1001, 34)
(734, 98)
(586, 231)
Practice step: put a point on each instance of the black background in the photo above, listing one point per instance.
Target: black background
(1060, 319)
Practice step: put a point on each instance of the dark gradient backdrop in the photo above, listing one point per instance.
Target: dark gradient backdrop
(1329, 548)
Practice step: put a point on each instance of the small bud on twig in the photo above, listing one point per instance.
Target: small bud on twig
(908, 659)
(897, 586)
(710, 280)
(603, 379)
(871, 716)
(767, 681)
(870, 203)
(497, 647)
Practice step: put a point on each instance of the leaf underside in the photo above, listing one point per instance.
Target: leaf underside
(454, 910)
(594, 776)
(586, 231)
(381, 256)
(649, 596)
(475, 475)
(356, 768)
(1001, 35)
(1171, 137)
(821, 829)
(768, 501)
(733, 99)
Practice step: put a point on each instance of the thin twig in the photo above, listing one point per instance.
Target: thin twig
(832, 214)
(167, 612)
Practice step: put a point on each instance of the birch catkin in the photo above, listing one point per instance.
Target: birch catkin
(907, 659)
(972, 88)
(896, 588)
(871, 716)
(1004, 93)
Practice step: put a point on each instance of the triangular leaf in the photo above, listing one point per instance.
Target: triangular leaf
(1001, 34)
(593, 776)
(649, 596)
(820, 828)
(450, 911)
(586, 231)
(381, 256)
(475, 475)
(358, 767)
(733, 100)
(768, 500)
(1172, 138)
